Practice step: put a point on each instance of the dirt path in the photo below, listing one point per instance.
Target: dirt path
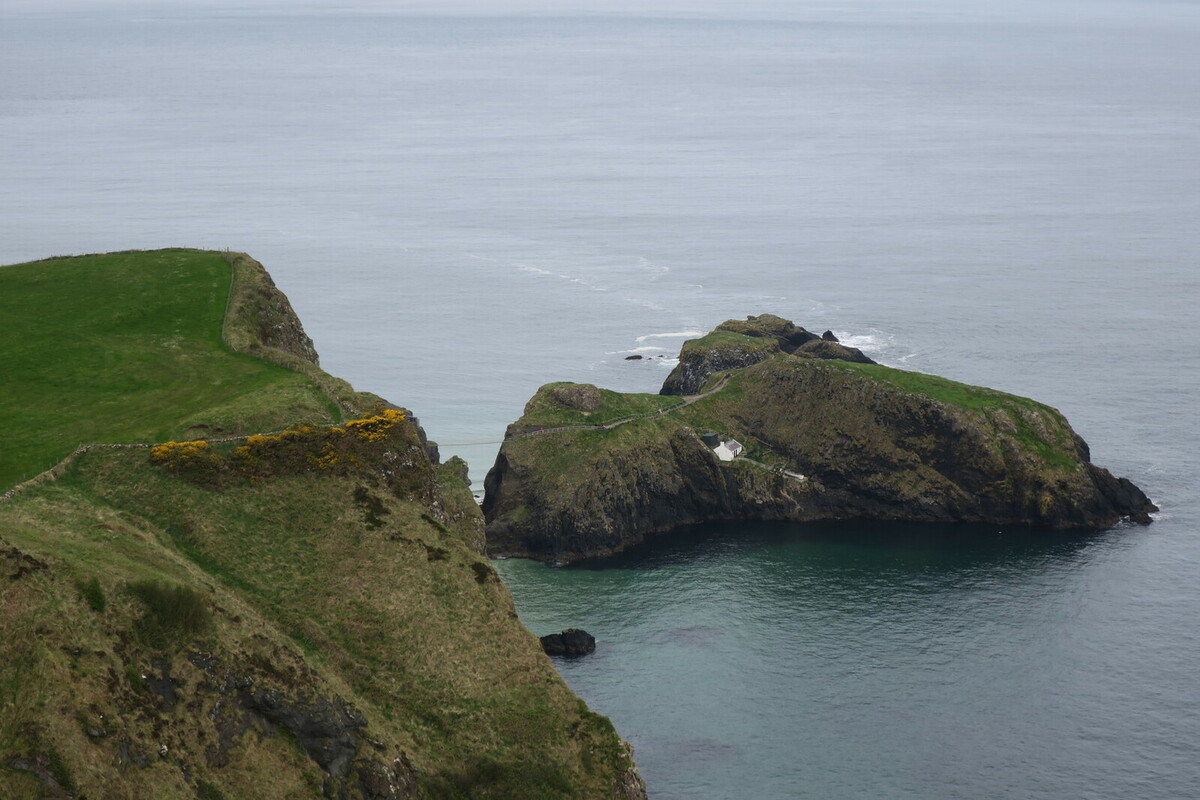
(608, 426)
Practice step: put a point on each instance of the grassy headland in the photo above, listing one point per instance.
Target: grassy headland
(128, 347)
(305, 614)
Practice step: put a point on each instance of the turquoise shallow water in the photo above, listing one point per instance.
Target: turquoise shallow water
(468, 199)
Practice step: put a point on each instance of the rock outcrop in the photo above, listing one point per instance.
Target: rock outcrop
(740, 343)
(825, 439)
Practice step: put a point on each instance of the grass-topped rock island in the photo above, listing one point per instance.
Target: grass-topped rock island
(762, 420)
(226, 574)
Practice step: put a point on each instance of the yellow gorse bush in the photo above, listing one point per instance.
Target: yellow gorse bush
(376, 428)
(302, 446)
(182, 455)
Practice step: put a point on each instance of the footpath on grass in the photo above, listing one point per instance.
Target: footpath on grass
(608, 426)
(686, 401)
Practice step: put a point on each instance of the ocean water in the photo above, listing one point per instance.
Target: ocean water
(465, 200)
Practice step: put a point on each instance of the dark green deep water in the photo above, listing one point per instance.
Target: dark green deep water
(882, 660)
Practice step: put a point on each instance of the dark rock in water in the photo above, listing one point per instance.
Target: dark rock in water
(571, 642)
(633, 358)
(829, 337)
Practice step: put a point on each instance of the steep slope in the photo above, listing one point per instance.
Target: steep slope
(825, 439)
(294, 614)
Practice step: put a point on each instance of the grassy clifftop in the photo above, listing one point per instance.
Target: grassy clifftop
(129, 347)
(303, 614)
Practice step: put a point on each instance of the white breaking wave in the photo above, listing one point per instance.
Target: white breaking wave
(679, 335)
(867, 342)
(647, 349)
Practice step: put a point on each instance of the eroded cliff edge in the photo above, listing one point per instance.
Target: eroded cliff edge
(829, 436)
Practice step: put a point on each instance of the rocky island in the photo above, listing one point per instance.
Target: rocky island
(763, 420)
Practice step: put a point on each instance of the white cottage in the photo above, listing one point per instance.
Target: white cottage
(728, 451)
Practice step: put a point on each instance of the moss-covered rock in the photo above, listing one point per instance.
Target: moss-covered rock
(736, 343)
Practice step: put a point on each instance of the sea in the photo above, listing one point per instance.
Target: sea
(467, 199)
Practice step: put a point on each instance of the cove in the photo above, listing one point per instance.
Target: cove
(851, 659)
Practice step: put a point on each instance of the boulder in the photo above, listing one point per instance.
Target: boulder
(579, 396)
(823, 348)
(571, 642)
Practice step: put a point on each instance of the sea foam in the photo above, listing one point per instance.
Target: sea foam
(679, 335)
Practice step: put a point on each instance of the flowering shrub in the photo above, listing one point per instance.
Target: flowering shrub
(376, 428)
(177, 456)
(300, 448)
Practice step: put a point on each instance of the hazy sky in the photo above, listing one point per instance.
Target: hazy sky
(1092, 11)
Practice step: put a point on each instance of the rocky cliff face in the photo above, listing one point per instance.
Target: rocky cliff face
(828, 439)
(260, 317)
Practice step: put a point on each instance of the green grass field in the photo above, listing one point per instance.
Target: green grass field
(127, 347)
(723, 338)
(543, 410)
